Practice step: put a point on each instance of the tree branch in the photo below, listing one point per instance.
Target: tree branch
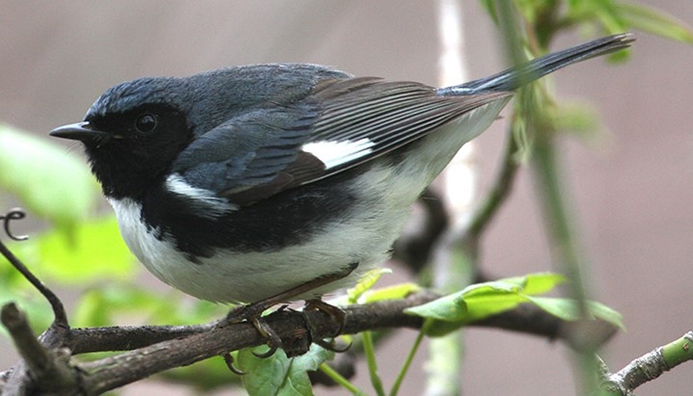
(647, 367)
(176, 346)
(49, 368)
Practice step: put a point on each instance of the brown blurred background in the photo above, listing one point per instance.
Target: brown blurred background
(633, 188)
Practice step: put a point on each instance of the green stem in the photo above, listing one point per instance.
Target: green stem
(444, 365)
(565, 247)
(339, 379)
(369, 350)
(556, 211)
(410, 358)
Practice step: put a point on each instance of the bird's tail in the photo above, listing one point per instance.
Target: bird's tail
(513, 78)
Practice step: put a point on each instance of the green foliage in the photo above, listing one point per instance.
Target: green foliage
(89, 251)
(125, 300)
(654, 21)
(618, 16)
(394, 292)
(279, 375)
(15, 288)
(482, 300)
(50, 182)
(366, 283)
(548, 17)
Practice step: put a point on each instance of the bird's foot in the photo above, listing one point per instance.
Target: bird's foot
(253, 313)
(337, 315)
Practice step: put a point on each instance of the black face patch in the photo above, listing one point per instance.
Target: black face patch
(141, 144)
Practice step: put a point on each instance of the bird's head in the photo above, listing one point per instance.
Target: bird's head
(132, 133)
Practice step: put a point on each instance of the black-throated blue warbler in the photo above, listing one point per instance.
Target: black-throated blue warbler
(289, 180)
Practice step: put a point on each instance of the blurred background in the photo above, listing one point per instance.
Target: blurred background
(632, 186)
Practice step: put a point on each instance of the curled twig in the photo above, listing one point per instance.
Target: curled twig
(13, 214)
(60, 317)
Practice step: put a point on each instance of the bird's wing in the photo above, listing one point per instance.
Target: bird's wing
(363, 118)
(343, 123)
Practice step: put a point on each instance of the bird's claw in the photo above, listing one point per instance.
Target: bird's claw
(228, 359)
(331, 345)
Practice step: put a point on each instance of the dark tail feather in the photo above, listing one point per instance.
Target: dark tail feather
(513, 78)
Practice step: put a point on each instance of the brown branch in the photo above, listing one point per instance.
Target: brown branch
(184, 345)
(49, 369)
(112, 372)
(127, 338)
(498, 193)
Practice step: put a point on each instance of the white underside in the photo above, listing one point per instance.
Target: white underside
(365, 236)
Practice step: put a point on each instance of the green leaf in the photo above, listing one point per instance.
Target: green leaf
(654, 21)
(107, 304)
(102, 306)
(607, 314)
(449, 308)
(563, 308)
(279, 375)
(91, 250)
(48, 180)
(367, 281)
(537, 283)
(481, 306)
(567, 309)
(312, 360)
(482, 300)
(395, 292)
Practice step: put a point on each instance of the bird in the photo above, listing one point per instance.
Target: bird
(267, 183)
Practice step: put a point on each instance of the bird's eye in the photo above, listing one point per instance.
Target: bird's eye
(146, 123)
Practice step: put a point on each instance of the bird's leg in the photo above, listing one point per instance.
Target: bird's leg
(337, 315)
(252, 312)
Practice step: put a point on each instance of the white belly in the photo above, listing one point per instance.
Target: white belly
(249, 277)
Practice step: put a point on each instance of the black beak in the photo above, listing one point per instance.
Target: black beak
(81, 131)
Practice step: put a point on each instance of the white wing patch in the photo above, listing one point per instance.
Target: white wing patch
(208, 203)
(336, 153)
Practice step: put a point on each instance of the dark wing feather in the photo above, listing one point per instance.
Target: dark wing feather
(388, 115)
(253, 156)
(342, 124)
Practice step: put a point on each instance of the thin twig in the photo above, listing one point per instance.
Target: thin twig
(498, 194)
(414, 250)
(60, 316)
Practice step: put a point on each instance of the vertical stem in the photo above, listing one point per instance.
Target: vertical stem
(556, 211)
(566, 251)
(553, 194)
(369, 350)
(450, 272)
(340, 380)
(410, 358)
